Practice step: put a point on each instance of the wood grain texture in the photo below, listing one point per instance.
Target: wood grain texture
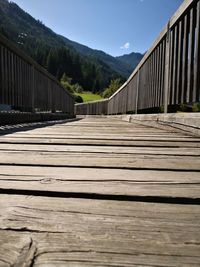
(101, 233)
(99, 192)
(105, 181)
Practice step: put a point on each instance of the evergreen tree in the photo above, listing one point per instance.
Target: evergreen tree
(50, 51)
(52, 62)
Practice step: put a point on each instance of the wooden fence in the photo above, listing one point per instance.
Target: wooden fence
(169, 73)
(28, 87)
(96, 107)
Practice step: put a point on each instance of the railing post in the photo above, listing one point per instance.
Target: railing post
(196, 94)
(167, 60)
(1, 76)
(33, 89)
(137, 91)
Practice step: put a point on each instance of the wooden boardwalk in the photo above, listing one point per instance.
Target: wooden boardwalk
(99, 192)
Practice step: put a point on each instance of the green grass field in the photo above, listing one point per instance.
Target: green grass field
(88, 96)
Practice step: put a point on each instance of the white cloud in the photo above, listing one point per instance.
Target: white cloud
(125, 46)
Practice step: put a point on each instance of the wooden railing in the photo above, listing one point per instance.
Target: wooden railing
(26, 86)
(169, 73)
(95, 107)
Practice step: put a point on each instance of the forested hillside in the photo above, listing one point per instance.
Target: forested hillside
(122, 67)
(49, 50)
(92, 69)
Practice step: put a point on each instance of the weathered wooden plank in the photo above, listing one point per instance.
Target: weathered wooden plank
(87, 141)
(123, 132)
(104, 132)
(56, 215)
(93, 174)
(16, 249)
(53, 231)
(107, 135)
(104, 154)
(182, 151)
(101, 160)
(98, 233)
(143, 186)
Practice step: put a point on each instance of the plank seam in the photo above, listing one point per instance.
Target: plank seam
(96, 196)
(98, 167)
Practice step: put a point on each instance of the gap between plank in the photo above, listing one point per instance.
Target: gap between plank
(134, 198)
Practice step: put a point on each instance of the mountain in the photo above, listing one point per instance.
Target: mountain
(114, 63)
(131, 60)
(93, 69)
(14, 22)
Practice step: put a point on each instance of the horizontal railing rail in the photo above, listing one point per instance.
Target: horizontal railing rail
(28, 87)
(169, 73)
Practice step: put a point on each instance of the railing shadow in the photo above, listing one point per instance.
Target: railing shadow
(9, 129)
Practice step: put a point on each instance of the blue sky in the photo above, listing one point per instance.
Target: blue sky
(114, 26)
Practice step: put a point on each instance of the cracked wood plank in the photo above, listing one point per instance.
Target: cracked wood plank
(26, 256)
(122, 161)
(98, 232)
(102, 233)
(16, 250)
(105, 181)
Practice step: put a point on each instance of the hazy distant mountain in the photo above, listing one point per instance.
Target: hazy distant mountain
(131, 60)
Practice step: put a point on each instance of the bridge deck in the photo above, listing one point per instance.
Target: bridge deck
(99, 192)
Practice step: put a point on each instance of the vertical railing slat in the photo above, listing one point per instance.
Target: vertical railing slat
(196, 90)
